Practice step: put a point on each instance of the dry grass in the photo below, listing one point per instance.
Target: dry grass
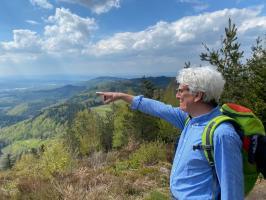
(94, 178)
(99, 184)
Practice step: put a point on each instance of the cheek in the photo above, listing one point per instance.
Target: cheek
(186, 102)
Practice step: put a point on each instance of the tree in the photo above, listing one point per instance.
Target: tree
(228, 61)
(7, 161)
(147, 88)
(245, 82)
(168, 132)
(120, 134)
(133, 126)
(107, 128)
(85, 133)
(256, 97)
(187, 65)
(145, 127)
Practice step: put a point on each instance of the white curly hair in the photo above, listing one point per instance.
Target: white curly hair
(203, 79)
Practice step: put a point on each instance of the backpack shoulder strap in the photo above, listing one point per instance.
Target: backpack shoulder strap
(208, 133)
(187, 120)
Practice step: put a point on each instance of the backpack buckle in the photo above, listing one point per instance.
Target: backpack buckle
(197, 147)
(207, 147)
(202, 147)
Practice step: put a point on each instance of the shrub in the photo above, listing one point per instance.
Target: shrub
(27, 166)
(148, 154)
(55, 159)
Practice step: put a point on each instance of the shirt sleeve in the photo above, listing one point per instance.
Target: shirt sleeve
(229, 162)
(171, 114)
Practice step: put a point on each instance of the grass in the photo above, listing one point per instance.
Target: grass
(157, 195)
(103, 109)
(24, 145)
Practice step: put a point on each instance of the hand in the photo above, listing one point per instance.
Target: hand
(109, 96)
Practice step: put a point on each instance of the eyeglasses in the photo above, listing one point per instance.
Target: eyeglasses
(181, 91)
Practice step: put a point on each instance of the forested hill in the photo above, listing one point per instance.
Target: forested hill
(133, 86)
(16, 106)
(19, 105)
(159, 81)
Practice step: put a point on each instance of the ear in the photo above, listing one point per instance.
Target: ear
(198, 97)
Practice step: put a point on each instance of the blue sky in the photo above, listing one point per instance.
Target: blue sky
(118, 37)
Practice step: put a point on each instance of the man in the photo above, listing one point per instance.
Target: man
(192, 177)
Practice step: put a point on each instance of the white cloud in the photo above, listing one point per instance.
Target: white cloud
(42, 3)
(253, 24)
(24, 41)
(171, 38)
(97, 6)
(67, 31)
(32, 22)
(197, 5)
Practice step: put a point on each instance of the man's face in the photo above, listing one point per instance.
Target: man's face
(185, 97)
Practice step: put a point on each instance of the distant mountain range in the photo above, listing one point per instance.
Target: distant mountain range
(18, 105)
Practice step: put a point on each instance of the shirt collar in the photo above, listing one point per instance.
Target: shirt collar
(207, 117)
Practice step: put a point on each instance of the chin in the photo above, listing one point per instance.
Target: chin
(183, 109)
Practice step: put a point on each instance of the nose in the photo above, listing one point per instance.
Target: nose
(177, 95)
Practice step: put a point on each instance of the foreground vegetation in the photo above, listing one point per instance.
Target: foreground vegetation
(132, 173)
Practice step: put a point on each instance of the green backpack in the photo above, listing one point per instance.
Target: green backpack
(252, 134)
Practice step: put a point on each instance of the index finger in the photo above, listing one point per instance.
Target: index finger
(99, 93)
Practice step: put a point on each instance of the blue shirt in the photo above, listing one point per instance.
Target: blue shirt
(191, 176)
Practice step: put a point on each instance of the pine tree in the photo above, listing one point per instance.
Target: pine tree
(143, 126)
(187, 65)
(147, 87)
(245, 82)
(107, 128)
(256, 97)
(7, 161)
(228, 61)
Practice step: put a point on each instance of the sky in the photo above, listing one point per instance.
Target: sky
(118, 37)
